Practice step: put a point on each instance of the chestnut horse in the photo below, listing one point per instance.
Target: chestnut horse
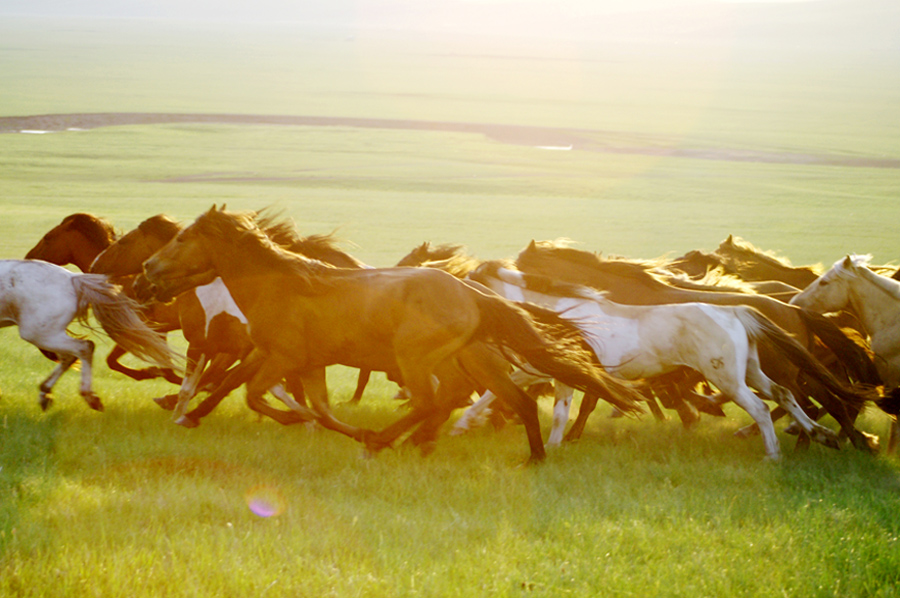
(78, 240)
(631, 284)
(305, 316)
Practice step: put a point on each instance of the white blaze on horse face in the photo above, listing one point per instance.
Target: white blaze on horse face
(215, 299)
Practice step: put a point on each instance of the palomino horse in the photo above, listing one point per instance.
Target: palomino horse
(875, 299)
(212, 323)
(631, 284)
(636, 342)
(42, 299)
(304, 317)
(78, 240)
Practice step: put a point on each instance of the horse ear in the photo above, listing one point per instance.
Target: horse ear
(730, 240)
(532, 246)
(848, 262)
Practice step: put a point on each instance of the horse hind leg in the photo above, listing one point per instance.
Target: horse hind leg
(785, 399)
(69, 351)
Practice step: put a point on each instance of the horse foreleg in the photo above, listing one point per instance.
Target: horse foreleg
(196, 362)
(475, 416)
(236, 376)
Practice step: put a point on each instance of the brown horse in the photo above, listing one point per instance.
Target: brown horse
(632, 284)
(78, 240)
(304, 317)
(212, 324)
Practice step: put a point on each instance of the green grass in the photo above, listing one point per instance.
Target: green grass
(124, 502)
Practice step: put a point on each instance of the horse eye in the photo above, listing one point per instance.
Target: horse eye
(823, 283)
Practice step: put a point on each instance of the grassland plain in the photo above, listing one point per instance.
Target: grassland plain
(125, 503)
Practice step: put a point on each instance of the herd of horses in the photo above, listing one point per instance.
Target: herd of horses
(262, 306)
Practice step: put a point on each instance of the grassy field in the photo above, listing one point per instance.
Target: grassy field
(124, 502)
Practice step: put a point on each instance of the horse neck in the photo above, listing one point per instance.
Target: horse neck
(84, 254)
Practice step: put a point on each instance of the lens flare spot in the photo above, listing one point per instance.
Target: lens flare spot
(265, 501)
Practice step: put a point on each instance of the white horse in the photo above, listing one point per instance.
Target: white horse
(42, 299)
(635, 342)
(875, 300)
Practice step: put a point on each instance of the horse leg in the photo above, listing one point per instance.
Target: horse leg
(785, 399)
(112, 361)
(361, 381)
(69, 350)
(236, 376)
(453, 392)
(486, 373)
(271, 371)
(588, 404)
(196, 362)
(316, 389)
(562, 404)
(475, 416)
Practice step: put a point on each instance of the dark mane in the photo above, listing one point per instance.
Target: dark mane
(97, 230)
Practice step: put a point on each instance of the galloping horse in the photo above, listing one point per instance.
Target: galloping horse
(631, 284)
(78, 240)
(633, 342)
(875, 300)
(213, 325)
(305, 316)
(42, 299)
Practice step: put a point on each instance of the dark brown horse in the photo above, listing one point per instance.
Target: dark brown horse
(304, 317)
(632, 284)
(77, 240)
(752, 263)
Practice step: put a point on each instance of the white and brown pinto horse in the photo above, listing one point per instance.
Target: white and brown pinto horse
(635, 342)
(42, 299)
(874, 299)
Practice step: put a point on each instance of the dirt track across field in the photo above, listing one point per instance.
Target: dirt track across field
(574, 139)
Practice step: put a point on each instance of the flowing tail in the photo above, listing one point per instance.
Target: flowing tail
(852, 356)
(553, 346)
(761, 327)
(119, 317)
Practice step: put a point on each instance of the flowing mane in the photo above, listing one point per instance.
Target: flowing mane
(243, 231)
(637, 271)
(323, 247)
(743, 254)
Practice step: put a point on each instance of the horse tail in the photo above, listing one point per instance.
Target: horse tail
(552, 345)
(854, 357)
(758, 326)
(119, 317)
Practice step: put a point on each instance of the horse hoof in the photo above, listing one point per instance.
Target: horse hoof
(93, 402)
(45, 402)
(187, 422)
(167, 402)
